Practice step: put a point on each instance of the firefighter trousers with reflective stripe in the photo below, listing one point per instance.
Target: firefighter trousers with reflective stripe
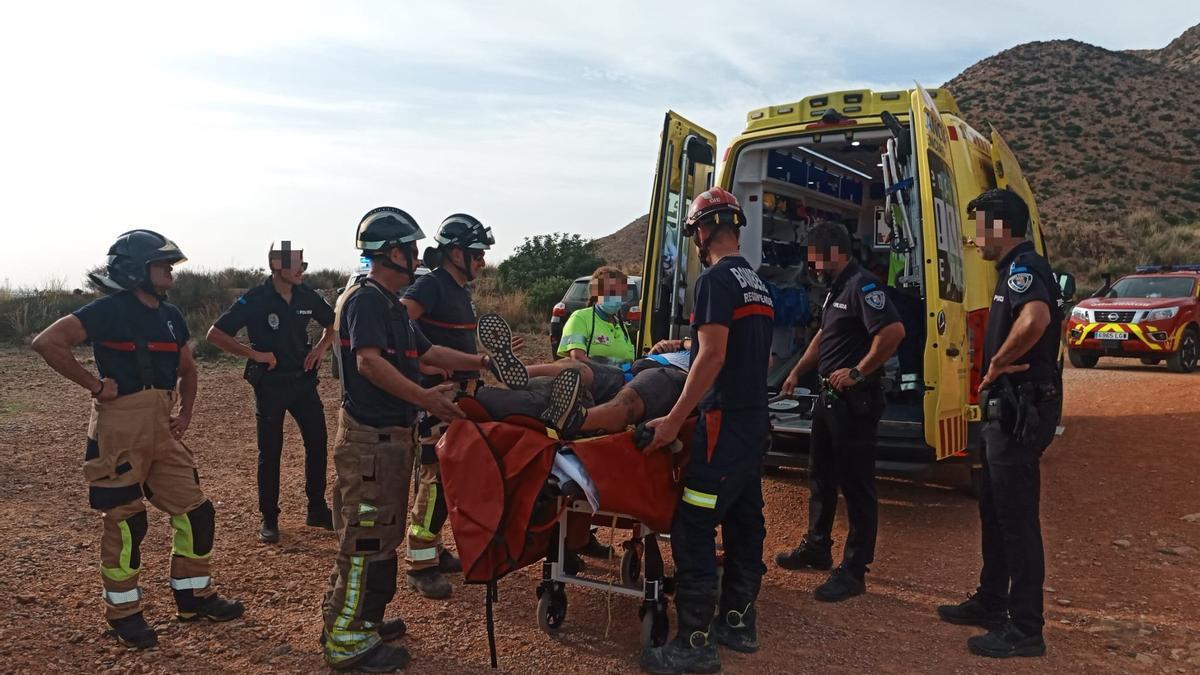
(131, 455)
(722, 486)
(374, 468)
(428, 514)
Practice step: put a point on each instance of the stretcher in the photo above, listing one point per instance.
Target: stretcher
(509, 510)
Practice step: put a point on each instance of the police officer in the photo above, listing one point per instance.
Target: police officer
(860, 330)
(1021, 397)
(441, 305)
(732, 324)
(281, 365)
(135, 445)
(382, 352)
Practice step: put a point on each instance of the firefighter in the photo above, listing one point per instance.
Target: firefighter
(281, 366)
(135, 447)
(1021, 398)
(732, 324)
(860, 330)
(382, 352)
(440, 303)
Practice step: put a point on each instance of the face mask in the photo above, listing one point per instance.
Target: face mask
(611, 304)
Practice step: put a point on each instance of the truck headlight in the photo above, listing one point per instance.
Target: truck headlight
(1162, 314)
(1079, 314)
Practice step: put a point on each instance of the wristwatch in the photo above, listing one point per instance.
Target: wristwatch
(856, 376)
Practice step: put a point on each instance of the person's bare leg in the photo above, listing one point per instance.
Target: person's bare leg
(553, 369)
(625, 409)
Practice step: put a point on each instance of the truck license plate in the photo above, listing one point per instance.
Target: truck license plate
(1112, 336)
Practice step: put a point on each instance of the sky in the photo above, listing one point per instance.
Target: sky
(227, 126)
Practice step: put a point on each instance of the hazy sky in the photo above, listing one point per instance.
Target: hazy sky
(228, 125)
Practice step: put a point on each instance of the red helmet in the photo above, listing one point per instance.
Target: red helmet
(714, 202)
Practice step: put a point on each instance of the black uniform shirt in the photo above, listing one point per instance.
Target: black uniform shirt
(730, 293)
(1025, 276)
(449, 318)
(856, 309)
(373, 317)
(275, 325)
(114, 325)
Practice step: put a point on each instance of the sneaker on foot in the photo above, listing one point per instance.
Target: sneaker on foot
(842, 584)
(1007, 641)
(382, 659)
(565, 413)
(430, 583)
(213, 608)
(133, 631)
(496, 338)
(973, 612)
(806, 555)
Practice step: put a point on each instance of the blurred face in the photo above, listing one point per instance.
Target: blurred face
(826, 261)
(608, 287)
(289, 268)
(161, 277)
(990, 235)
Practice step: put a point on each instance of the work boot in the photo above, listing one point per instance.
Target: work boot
(692, 650)
(737, 629)
(496, 338)
(973, 612)
(320, 516)
(843, 583)
(133, 631)
(565, 414)
(269, 534)
(1007, 641)
(430, 583)
(382, 659)
(572, 563)
(213, 608)
(594, 549)
(448, 563)
(390, 629)
(805, 555)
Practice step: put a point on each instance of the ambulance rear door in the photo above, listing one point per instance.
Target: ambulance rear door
(1009, 175)
(686, 165)
(946, 357)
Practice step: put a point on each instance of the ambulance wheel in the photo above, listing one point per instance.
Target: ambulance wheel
(1083, 359)
(552, 610)
(656, 625)
(1184, 360)
(1151, 362)
(631, 568)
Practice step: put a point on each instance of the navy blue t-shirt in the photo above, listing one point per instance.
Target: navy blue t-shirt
(1024, 276)
(730, 293)
(449, 317)
(855, 310)
(373, 317)
(116, 323)
(275, 325)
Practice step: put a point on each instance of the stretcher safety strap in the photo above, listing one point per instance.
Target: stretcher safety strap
(122, 597)
(701, 499)
(189, 583)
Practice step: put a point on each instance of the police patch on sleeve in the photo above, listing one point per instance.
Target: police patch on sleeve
(1020, 282)
(876, 299)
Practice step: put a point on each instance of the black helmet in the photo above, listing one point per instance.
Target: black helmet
(465, 231)
(385, 227)
(130, 256)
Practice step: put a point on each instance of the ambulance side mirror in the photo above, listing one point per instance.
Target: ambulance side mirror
(1066, 284)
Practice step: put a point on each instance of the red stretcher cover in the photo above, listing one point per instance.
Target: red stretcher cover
(493, 473)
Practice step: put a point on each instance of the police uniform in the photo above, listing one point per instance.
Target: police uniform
(1014, 440)
(280, 327)
(842, 444)
(132, 454)
(723, 481)
(373, 455)
(448, 320)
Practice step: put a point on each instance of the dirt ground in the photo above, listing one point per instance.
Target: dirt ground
(1121, 512)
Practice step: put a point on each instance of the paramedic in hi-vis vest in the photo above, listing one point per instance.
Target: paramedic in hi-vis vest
(441, 305)
(381, 355)
(732, 321)
(135, 447)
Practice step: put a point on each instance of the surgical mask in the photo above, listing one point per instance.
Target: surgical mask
(611, 304)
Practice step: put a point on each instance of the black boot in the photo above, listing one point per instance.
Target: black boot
(390, 629)
(382, 659)
(213, 608)
(692, 650)
(973, 612)
(1007, 641)
(269, 534)
(594, 549)
(806, 555)
(320, 516)
(133, 631)
(448, 563)
(843, 583)
(737, 629)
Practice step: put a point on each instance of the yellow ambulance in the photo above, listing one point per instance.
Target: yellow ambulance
(898, 169)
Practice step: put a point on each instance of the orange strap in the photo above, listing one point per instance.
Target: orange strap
(150, 346)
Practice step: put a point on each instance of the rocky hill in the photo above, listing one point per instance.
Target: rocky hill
(1183, 54)
(625, 247)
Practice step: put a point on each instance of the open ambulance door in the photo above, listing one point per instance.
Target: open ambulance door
(686, 165)
(1009, 175)
(947, 359)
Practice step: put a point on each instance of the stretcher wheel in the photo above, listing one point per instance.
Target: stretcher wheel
(656, 625)
(631, 568)
(552, 610)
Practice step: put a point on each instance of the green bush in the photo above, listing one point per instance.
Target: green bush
(546, 256)
(541, 297)
(26, 313)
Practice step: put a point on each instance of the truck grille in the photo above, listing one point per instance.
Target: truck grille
(1113, 316)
